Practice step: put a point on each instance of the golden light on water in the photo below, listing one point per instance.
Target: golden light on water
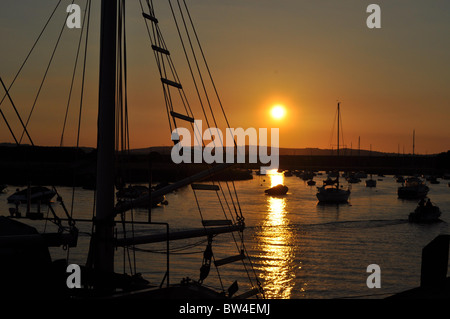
(275, 177)
(277, 245)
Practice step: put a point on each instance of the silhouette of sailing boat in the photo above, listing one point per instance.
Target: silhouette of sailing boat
(22, 245)
(334, 193)
(413, 187)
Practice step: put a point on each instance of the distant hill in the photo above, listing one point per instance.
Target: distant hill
(83, 148)
(165, 150)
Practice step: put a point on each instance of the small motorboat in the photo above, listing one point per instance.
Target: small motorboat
(277, 190)
(132, 192)
(288, 173)
(400, 179)
(371, 183)
(361, 174)
(35, 194)
(433, 180)
(425, 213)
(353, 180)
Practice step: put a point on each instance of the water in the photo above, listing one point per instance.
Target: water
(299, 249)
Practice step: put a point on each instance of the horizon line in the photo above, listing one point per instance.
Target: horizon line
(356, 150)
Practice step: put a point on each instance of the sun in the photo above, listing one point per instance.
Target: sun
(278, 112)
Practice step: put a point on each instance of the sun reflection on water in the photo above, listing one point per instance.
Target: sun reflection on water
(276, 243)
(275, 178)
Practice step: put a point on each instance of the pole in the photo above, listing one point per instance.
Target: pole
(104, 222)
(359, 145)
(338, 120)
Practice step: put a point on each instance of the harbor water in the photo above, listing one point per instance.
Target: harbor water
(299, 249)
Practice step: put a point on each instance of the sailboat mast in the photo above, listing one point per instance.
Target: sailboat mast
(338, 120)
(359, 145)
(103, 259)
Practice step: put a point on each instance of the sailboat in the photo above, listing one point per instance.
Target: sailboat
(333, 193)
(27, 269)
(371, 182)
(33, 194)
(413, 187)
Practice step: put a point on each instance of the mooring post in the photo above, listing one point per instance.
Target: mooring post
(435, 263)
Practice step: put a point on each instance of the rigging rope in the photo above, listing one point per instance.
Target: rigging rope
(168, 71)
(45, 75)
(73, 79)
(18, 116)
(32, 48)
(239, 216)
(56, 220)
(211, 79)
(122, 127)
(88, 9)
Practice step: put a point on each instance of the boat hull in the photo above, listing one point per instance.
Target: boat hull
(333, 195)
(371, 183)
(414, 192)
(425, 215)
(278, 190)
(38, 194)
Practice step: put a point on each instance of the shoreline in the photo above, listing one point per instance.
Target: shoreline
(76, 167)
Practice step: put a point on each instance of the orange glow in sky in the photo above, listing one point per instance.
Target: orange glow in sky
(303, 55)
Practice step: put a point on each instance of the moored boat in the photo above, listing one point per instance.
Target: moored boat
(288, 173)
(34, 194)
(353, 179)
(333, 193)
(413, 188)
(371, 183)
(277, 190)
(425, 213)
(400, 179)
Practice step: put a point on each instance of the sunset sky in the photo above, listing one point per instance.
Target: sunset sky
(304, 55)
